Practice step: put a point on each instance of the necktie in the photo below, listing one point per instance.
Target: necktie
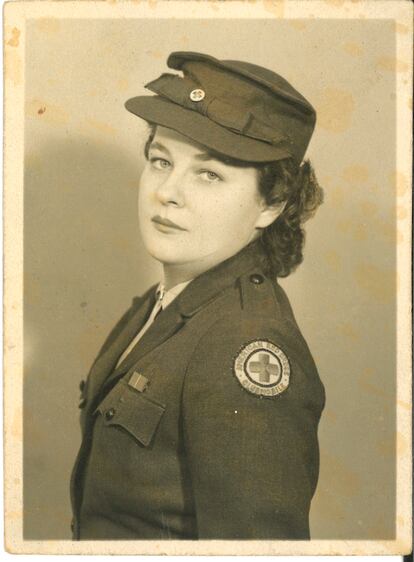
(156, 309)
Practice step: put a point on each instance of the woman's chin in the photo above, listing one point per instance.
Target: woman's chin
(166, 253)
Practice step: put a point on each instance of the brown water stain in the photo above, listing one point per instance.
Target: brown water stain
(14, 40)
(401, 521)
(353, 49)
(297, 24)
(330, 415)
(400, 182)
(335, 107)
(402, 212)
(101, 127)
(325, 179)
(402, 28)
(14, 515)
(346, 481)
(336, 3)
(348, 331)
(48, 113)
(392, 64)
(13, 67)
(388, 230)
(333, 259)
(275, 7)
(357, 173)
(366, 381)
(360, 232)
(17, 425)
(155, 54)
(32, 287)
(47, 25)
(379, 283)
(93, 93)
(388, 447)
(122, 85)
(214, 5)
(329, 505)
(337, 197)
(369, 208)
(133, 184)
(87, 342)
(404, 405)
(345, 225)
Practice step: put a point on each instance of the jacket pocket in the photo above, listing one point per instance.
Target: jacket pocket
(138, 414)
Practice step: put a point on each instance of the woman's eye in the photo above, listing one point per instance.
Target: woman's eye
(210, 176)
(160, 163)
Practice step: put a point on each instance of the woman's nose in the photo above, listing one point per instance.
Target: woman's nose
(170, 190)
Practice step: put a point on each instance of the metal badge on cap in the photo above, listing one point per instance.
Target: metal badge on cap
(197, 95)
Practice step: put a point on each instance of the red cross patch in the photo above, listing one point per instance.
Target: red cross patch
(262, 368)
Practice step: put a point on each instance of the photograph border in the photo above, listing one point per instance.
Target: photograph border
(16, 15)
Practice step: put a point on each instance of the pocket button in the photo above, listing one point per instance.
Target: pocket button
(109, 414)
(82, 403)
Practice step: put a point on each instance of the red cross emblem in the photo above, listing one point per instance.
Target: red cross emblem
(264, 367)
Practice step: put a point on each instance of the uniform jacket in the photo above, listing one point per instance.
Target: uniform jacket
(190, 452)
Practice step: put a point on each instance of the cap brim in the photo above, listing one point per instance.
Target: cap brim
(203, 130)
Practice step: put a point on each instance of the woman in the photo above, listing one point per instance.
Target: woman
(200, 413)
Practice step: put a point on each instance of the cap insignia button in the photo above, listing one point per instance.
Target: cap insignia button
(197, 95)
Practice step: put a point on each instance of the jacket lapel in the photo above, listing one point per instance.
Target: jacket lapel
(167, 323)
(106, 362)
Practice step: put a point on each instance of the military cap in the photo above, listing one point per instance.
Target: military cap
(236, 108)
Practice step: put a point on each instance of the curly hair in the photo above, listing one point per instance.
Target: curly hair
(281, 181)
(296, 186)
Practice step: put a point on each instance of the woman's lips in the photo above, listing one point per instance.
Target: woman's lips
(165, 225)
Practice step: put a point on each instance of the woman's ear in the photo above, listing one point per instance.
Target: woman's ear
(269, 214)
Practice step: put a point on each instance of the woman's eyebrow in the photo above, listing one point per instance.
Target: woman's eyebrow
(204, 156)
(159, 146)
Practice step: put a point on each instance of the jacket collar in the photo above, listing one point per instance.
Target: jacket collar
(206, 286)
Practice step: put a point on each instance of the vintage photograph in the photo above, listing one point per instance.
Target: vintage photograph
(208, 277)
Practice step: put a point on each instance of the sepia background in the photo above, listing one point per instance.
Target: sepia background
(84, 261)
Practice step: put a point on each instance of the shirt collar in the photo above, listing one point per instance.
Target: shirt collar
(166, 297)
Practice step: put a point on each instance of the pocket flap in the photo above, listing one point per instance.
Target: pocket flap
(133, 411)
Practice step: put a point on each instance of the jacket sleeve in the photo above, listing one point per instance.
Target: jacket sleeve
(253, 459)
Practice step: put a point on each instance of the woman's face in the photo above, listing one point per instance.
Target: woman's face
(195, 210)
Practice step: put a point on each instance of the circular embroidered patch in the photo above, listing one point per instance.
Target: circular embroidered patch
(262, 368)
